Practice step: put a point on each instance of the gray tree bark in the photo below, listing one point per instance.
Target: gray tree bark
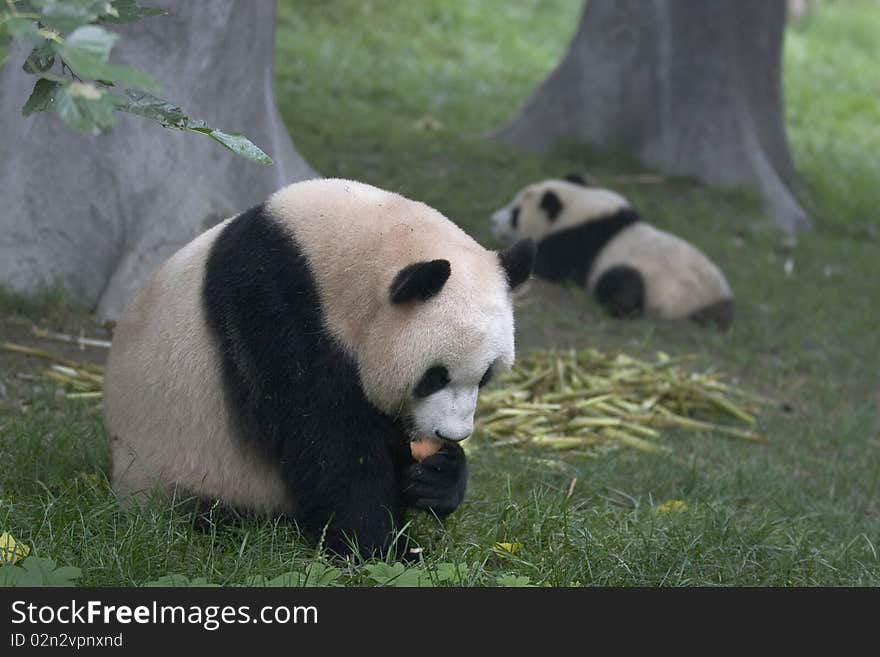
(98, 214)
(690, 87)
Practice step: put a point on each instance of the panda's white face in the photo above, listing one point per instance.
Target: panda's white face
(517, 219)
(444, 400)
(422, 362)
(536, 210)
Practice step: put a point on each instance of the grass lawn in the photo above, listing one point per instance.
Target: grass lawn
(399, 95)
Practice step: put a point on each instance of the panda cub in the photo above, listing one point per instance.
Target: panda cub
(282, 361)
(595, 238)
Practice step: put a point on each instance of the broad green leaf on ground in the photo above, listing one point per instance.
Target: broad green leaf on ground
(41, 97)
(317, 574)
(178, 579)
(85, 108)
(86, 52)
(452, 573)
(172, 116)
(514, 580)
(397, 574)
(36, 571)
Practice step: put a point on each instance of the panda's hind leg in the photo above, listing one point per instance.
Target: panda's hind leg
(719, 315)
(621, 291)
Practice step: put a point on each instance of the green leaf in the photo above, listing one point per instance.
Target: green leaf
(41, 97)
(397, 574)
(5, 37)
(67, 15)
(170, 115)
(23, 29)
(40, 60)
(129, 10)
(36, 571)
(456, 573)
(85, 108)
(241, 145)
(514, 580)
(177, 579)
(154, 108)
(18, 576)
(86, 52)
(384, 573)
(317, 574)
(91, 42)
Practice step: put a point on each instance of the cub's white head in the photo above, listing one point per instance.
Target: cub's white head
(546, 207)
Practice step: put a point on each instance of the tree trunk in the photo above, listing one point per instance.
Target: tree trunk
(98, 214)
(692, 88)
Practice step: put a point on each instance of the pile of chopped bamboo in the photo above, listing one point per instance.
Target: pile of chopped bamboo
(80, 379)
(588, 400)
(583, 400)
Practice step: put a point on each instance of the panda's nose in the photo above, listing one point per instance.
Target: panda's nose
(453, 438)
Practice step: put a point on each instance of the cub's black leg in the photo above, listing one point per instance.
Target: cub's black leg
(719, 315)
(438, 482)
(621, 292)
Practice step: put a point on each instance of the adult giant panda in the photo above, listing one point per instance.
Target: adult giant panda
(281, 361)
(595, 238)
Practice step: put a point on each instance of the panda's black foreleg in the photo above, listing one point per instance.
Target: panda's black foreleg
(437, 483)
(347, 493)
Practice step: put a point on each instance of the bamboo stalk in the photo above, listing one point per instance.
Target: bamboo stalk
(45, 355)
(82, 341)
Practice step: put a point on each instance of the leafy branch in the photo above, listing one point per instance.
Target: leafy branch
(70, 52)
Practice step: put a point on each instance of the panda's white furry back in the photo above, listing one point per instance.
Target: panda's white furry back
(282, 360)
(593, 237)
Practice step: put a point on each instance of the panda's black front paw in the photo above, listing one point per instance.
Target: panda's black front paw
(437, 483)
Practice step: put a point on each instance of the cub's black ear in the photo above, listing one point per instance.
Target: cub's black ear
(551, 205)
(517, 262)
(577, 179)
(419, 281)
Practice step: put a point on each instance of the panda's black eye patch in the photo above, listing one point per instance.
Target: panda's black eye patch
(514, 217)
(486, 377)
(551, 205)
(434, 380)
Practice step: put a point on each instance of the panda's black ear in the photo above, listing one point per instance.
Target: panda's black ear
(577, 179)
(419, 281)
(551, 205)
(517, 262)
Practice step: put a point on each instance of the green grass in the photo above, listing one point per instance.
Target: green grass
(355, 80)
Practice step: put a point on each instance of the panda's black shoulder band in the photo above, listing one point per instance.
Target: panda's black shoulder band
(569, 254)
